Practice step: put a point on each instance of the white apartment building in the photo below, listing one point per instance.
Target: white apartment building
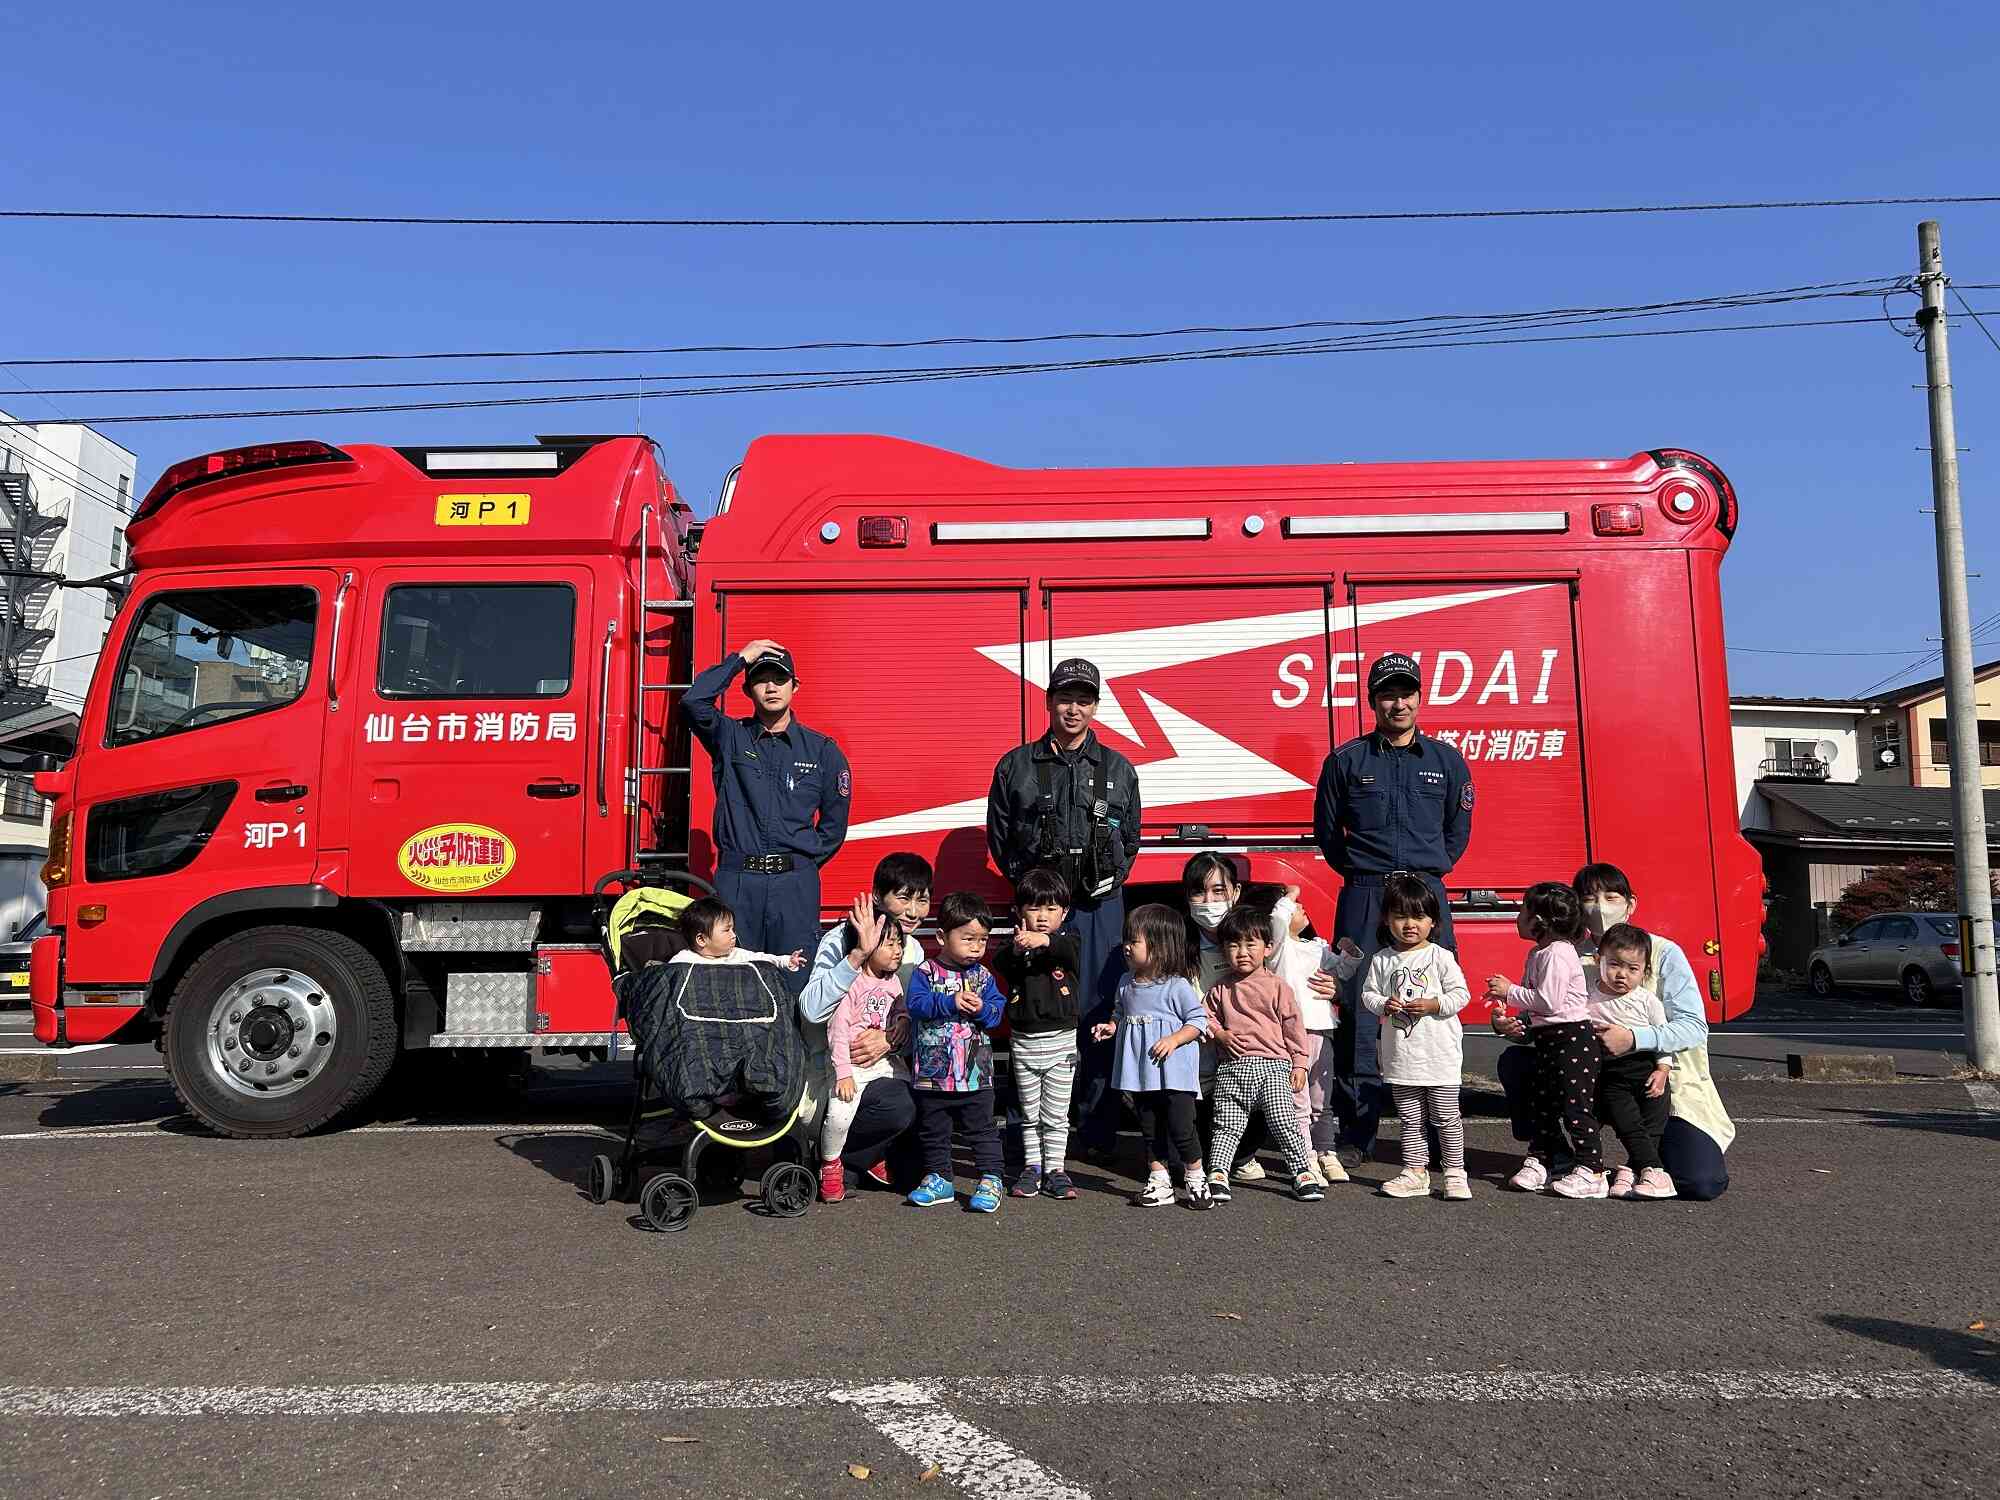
(76, 495)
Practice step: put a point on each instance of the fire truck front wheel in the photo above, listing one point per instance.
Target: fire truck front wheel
(278, 1030)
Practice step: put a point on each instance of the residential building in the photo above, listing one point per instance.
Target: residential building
(1794, 739)
(68, 494)
(1907, 741)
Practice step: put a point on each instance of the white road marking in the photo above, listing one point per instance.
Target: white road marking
(1985, 1098)
(909, 1414)
(1457, 1388)
(61, 1051)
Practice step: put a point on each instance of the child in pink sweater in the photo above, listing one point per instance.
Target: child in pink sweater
(872, 1003)
(1555, 1000)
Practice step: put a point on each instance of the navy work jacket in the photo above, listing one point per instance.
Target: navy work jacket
(783, 793)
(1380, 808)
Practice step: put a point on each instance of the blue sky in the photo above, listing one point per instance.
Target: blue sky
(898, 111)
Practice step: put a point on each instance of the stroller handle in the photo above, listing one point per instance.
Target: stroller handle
(631, 878)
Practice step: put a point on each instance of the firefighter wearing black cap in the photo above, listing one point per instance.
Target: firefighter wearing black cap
(1066, 801)
(1394, 799)
(781, 797)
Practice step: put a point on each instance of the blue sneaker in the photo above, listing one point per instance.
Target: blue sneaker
(986, 1197)
(933, 1189)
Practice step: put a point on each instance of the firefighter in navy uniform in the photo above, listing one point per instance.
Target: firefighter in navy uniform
(1067, 802)
(781, 797)
(1394, 799)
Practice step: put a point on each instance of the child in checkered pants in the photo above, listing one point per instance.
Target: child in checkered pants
(1262, 1042)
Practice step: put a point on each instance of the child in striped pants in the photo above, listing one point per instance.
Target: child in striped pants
(1257, 1031)
(1044, 1008)
(1417, 989)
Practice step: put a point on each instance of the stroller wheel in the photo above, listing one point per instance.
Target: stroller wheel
(669, 1202)
(788, 1190)
(600, 1179)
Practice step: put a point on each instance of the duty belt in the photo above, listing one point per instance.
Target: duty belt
(767, 864)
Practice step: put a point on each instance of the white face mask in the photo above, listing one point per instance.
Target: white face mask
(1208, 915)
(1606, 912)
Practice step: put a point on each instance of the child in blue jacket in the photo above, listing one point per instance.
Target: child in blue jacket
(954, 1005)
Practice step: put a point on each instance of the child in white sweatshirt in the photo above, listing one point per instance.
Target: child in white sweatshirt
(1417, 989)
(1296, 959)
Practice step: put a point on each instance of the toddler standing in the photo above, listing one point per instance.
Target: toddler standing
(1261, 1041)
(1554, 999)
(873, 1002)
(1040, 967)
(1418, 990)
(1158, 1016)
(954, 1004)
(1297, 960)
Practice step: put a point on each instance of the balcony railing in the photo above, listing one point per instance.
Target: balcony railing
(1793, 768)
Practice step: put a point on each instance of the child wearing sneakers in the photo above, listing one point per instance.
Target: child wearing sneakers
(1555, 1001)
(1261, 1042)
(1298, 958)
(874, 1001)
(1040, 967)
(1158, 1018)
(1417, 989)
(954, 1004)
(1632, 1089)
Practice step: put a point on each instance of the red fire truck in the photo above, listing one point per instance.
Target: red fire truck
(374, 721)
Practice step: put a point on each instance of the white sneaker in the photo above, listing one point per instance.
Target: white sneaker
(1252, 1170)
(1157, 1193)
(1411, 1182)
(1531, 1178)
(1456, 1187)
(1581, 1182)
(1194, 1190)
(1329, 1166)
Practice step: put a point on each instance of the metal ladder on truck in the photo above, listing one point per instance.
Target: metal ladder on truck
(672, 779)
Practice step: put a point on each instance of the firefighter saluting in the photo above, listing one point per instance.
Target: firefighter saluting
(781, 797)
(1394, 799)
(1068, 802)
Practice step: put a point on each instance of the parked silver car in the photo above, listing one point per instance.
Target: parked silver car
(1915, 952)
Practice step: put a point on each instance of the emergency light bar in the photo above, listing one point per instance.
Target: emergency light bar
(506, 460)
(231, 462)
(1427, 524)
(1185, 528)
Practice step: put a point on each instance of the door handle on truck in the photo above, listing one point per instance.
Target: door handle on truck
(290, 793)
(333, 646)
(553, 789)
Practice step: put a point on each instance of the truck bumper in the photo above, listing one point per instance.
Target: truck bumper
(66, 1017)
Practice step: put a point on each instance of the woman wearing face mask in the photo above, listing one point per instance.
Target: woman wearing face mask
(1699, 1130)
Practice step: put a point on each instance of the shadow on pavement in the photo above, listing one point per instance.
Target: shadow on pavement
(1950, 1348)
(562, 1155)
(1935, 1122)
(127, 1102)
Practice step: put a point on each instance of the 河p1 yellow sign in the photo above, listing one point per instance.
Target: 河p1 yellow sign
(482, 510)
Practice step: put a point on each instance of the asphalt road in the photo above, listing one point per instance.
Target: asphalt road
(424, 1304)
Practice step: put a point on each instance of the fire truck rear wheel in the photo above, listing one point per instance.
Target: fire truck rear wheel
(279, 1030)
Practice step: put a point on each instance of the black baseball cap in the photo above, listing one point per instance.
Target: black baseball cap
(774, 666)
(1390, 667)
(1075, 672)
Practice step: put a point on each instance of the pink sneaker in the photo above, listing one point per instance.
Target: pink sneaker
(1531, 1178)
(1621, 1183)
(832, 1182)
(1654, 1183)
(1580, 1182)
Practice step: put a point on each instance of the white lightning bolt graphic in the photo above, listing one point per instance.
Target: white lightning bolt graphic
(1128, 653)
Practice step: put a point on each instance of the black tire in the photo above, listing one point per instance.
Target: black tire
(364, 1042)
(1917, 987)
(668, 1203)
(1820, 980)
(600, 1179)
(788, 1190)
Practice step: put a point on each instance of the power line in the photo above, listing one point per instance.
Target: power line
(1862, 287)
(1976, 319)
(1777, 651)
(1454, 325)
(1038, 221)
(862, 378)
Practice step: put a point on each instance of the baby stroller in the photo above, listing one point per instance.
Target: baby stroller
(718, 1059)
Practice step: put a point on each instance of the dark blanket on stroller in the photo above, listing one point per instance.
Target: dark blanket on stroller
(708, 1032)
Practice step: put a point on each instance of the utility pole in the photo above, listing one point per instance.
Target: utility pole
(1968, 795)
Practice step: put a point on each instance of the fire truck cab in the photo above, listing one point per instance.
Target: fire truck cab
(374, 722)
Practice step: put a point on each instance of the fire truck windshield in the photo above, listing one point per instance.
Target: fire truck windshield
(207, 655)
